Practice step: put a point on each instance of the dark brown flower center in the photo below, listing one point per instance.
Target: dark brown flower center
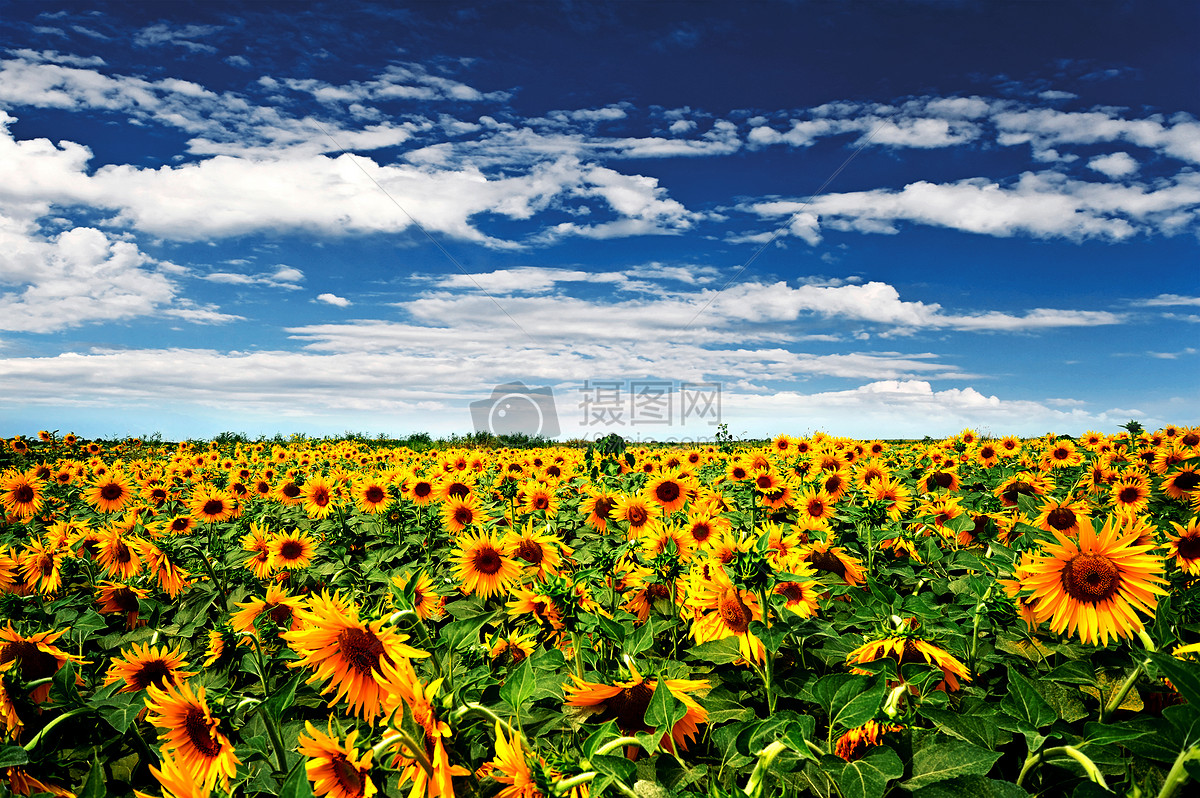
(112, 491)
(1129, 495)
(701, 531)
(603, 507)
(23, 494)
(361, 649)
(291, 490)
(530, 551)
(348, 778)
(458, 490)
(291, 549)
(667, 492)
(374, 494)
(125, 600)
(200, 732)
(941, 479)
(422, 489)
(1188, 547)
(1061, 518)
(638, 516)
(153, 672)
(629, 708)
(1186, 480)
(214, 507)
(487, 561)
(1090, 577)
(829, 562)
(734, 612)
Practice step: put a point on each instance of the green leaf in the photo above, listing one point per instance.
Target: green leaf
(283, 697)
(786, 725)
(946, 759)
(599, 737)
(94, 786)
(848, 700)
(642, 639)
(464, 632)
(977, 728)
(1103, 734)
(772, 638)
(665, 710)
(1064, 700)
(296, 784)
(1184, 675)
(1024, 703)
(13, 755)
(971, 787)
(519, 686)
(120, 710)
(613, 765)
(718, 652)
(867, 777)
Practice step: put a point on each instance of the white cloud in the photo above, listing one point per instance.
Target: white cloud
(334, 299)
(1114, 165)
(283, 277)
(162, 33)
(1167, 300)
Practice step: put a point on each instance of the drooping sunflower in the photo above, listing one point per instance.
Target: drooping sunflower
(403, 687)
(282, 609)
(597, 508)
(172, 578)
(292, 550)
(1062, 515)
(484, 566)
(542, 551)
(1095, 583)
(626, 702)
(1022, 484)
(258, 542)
(115, 598)
(335, 768)
(119, 555)
(906, 648)
(109, 493)
(511, 650)
(1182, 483)
(211, 505)
(190, 732)
(853, 744)
(41, 565)
(36, 657)
(346, 652)
(823, 556)
(1184, 546)
(21, 494)
(426, 601)
(145, 665)
(174, 781)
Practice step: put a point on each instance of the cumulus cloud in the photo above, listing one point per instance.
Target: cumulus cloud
(1114, 165)
(335, 300)
(283, 277)
(181, 36)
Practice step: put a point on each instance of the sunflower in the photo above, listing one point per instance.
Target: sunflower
(702, 527)
(721, 610)
(140, 667)
(540, 497)
(896, 496)
(835, 483)
(1062, 515)
(109, 493)
(370, 495)
(597, 508)
(737, 471)
(114, 598)
(626, 702)
(282, 609)
(21, 494)
(942, 478)
(190, 732)
(816, 508)
(636, 511)
(426, 602)
(1131, 493)
(908, 648)
(36, 657)
(320, 497)
(1062, 454)
(1022, 484)
(403, 688)
(119, 557)
(484, 566)
(800, 596)
(541, 550)
(988, 454)
(668, 491)
(853, 744)
(211, 505)
(460, 513)
(834, 560)
(292, 550)
(333, 767)
(346, 652)
(171, 577)
(289, 493)
(1184, 546)
(174, 781)
(1181, 483)
(419, 490)
(1096, 582)
(41, 565)
(511, 650)
(511, 767)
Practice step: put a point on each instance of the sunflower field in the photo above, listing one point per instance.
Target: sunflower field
(807, 616)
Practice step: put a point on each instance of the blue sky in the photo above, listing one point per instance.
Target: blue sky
(878, 219)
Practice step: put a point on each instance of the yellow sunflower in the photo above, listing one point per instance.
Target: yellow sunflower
(427, 603)
(282, 609)
(257, 541)
(668, 491)
(597, 509)
(1184, 546)
(346, 652)
(320, 497)
(1062, 515)
(190, 732)
(21, 494)
(292, 550)
(211, 505)
(484, 566)
(1096, 583)
(109, 493)
(541, 551)
(720, 610)
(636, 511)
(41, 565)
(908, 648)
(36, 657)
(626, 702)
(370, 494)
(460, 513)
(333, 767)
(404, 688)
(145, 665)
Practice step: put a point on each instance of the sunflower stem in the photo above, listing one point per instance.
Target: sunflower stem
(411, 747)
(975, 626)
(754, 786)
(1118, 698)
(578, 655)
(1178, 774)
(574, 781)
(612, 745)
(768, 656)
(29, 746)
(274, 737)
(212, 574)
